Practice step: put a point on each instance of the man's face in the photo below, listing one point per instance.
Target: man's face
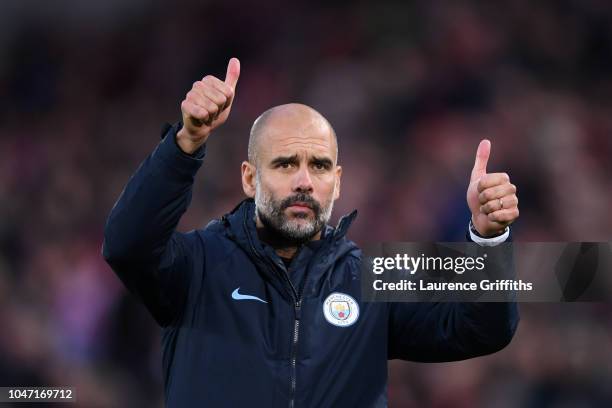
(297, 179)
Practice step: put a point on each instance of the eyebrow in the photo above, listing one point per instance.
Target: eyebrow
(294, 160)
(322, 161)
(284, 159)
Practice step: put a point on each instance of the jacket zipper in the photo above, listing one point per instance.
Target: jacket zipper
(296, 334)
(296, 323)
(297, 306)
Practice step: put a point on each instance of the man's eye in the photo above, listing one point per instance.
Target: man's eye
(284, 165)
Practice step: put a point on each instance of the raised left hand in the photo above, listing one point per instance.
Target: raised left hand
(491, 197)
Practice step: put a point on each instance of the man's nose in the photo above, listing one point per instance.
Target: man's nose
(303, 181)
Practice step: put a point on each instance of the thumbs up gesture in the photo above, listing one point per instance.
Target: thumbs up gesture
(491, 197)
(206, 107)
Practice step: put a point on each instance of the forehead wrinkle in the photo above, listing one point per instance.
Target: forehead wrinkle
(301, 149)
(303, 144)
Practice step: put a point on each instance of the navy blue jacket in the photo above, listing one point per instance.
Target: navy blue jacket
(275, 349)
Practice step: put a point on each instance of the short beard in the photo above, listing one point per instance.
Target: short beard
(271, 213)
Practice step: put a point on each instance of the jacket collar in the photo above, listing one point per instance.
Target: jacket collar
(240, 227)
(244, 212)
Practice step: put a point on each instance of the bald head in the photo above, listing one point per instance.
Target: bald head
(290, 121)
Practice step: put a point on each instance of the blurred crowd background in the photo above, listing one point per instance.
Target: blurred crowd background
(410, 87)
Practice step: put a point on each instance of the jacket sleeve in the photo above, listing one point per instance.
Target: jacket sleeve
(451, 331)
(140, 242)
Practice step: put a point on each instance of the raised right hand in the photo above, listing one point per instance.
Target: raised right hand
(206, 107)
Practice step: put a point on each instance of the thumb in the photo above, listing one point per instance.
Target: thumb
(233, 72)
(482, 157)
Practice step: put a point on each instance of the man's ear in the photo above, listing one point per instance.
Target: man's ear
(248, 178)
(337, 186)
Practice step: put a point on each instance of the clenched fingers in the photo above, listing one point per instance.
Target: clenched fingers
(506, 202)
(202, 92)
(226, 90)
(498, 191)
(211, 95)
(492, 180)
(504, 217)
(208, 102)
(195, 111)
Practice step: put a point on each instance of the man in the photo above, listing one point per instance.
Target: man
(245, 303)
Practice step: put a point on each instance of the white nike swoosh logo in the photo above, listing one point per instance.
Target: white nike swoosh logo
(239, 296)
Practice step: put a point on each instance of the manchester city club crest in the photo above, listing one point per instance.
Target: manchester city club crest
(340, 309)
